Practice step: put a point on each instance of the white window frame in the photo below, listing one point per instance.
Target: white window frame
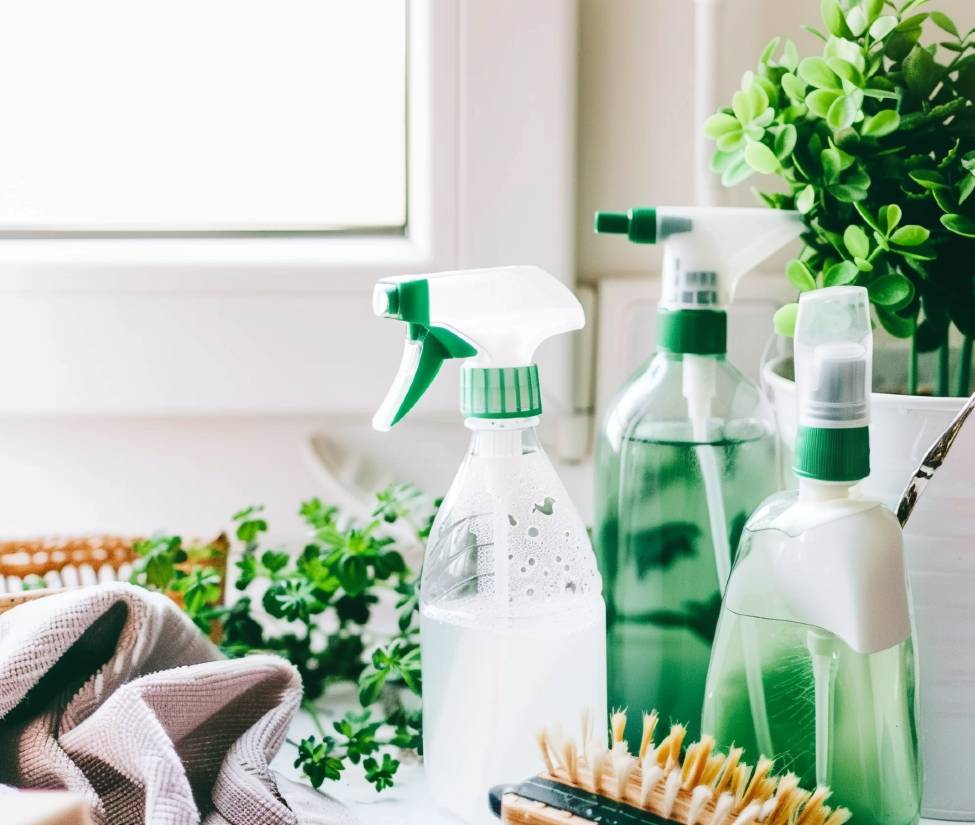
(491, 137)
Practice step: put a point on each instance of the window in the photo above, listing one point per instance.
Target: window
(191, 116)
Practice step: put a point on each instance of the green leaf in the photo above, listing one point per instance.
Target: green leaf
(896, 325)
(881, 124)
(856, 241)
(921, 73)
(959, 224)
(880, 94)
(943, 21)
(965, 83)
(927, 178)
(794, 87)
(856, 19)
(965, 188)
(720, 124)
(843, 111)
(816, 72)
(736, 172)
(820, 101)
(760, 158)
(846, 70)
(867, 216)
(785, 319)
(769, 50)
(883, 26)
(785, 142)
(899, 44)
(806, 199)
(832, 164)
(800, 276)
(841, 273)
(833, 18)
(891, 216)
(910, 235)
(890, 290)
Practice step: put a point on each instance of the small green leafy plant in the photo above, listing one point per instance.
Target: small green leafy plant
(875, 141)
(322, 601)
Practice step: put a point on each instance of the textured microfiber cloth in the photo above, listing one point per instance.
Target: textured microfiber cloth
(111, 692)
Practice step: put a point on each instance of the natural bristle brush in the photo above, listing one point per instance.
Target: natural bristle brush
(662, 783)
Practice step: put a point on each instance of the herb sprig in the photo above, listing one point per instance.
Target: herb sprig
(321, 601)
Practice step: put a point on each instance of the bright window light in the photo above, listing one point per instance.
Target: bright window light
(202, 115)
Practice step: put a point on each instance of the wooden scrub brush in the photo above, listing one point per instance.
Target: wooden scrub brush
(663, 783)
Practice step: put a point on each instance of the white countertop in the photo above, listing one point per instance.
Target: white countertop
(407, 803)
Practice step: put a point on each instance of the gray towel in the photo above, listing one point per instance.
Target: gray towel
(111, 692)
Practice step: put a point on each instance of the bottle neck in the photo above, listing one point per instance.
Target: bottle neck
(495, 438)
(814, 490)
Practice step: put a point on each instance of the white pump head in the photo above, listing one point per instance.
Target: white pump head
(833, 352)
(494, 318)
(706, 250)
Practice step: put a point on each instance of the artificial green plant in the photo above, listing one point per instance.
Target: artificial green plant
(874, 140)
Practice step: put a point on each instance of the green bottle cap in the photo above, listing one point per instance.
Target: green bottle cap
(832, 453)
(692, 331)
(500, 392)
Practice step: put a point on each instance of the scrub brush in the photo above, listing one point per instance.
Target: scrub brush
(662, 783)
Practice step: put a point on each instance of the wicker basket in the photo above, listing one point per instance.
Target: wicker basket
(67, 562)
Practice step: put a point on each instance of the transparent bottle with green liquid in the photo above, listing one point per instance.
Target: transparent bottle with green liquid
(686, 451)
(813, 661)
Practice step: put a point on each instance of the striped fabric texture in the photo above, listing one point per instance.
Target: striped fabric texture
(111, 692)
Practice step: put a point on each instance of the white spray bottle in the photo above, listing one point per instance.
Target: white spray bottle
(686, 452)
(813, 661)
(511, 613)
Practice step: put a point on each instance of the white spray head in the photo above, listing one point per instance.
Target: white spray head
(706, 250)
(494, 318)
(833, 355)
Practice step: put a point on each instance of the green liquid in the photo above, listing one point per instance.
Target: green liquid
(653, 543)
(867, 733)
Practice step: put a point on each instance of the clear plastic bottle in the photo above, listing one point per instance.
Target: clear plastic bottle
(686, 452)
(654, 526)
(512, 618)
(830, 714)
(813, 662)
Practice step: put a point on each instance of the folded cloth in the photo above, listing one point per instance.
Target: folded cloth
(111, 692)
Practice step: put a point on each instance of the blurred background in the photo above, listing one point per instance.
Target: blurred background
(197, 197)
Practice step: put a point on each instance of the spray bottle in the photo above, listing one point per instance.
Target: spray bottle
(813, 661)
(512, 618)
(686, 452)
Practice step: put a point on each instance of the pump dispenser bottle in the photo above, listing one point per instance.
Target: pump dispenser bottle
(813, 661)
(686, 452)
(511, 610)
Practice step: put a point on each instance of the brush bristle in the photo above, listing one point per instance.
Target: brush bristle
(692, 786)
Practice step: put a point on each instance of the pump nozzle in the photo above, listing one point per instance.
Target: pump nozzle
(494, 318)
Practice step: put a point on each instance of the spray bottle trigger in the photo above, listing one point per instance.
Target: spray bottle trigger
(425, 351)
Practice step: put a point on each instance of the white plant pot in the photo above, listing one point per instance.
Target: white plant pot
(940, 547)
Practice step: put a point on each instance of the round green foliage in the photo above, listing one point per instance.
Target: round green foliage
(875, 140)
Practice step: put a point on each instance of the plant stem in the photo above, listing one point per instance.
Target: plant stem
(310, 709)
(912, 368)
(963, 375)
(943, 367)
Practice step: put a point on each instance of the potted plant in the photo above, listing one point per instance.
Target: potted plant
(874, 141)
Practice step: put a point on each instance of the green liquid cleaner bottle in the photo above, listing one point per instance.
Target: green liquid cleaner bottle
(813, 663)
(512, 619)
(686, 451)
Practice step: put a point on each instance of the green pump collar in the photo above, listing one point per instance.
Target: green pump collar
(500, 392)
(832, 454)
(692, 331)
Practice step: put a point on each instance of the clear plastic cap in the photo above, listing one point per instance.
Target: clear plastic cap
(834, 355)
